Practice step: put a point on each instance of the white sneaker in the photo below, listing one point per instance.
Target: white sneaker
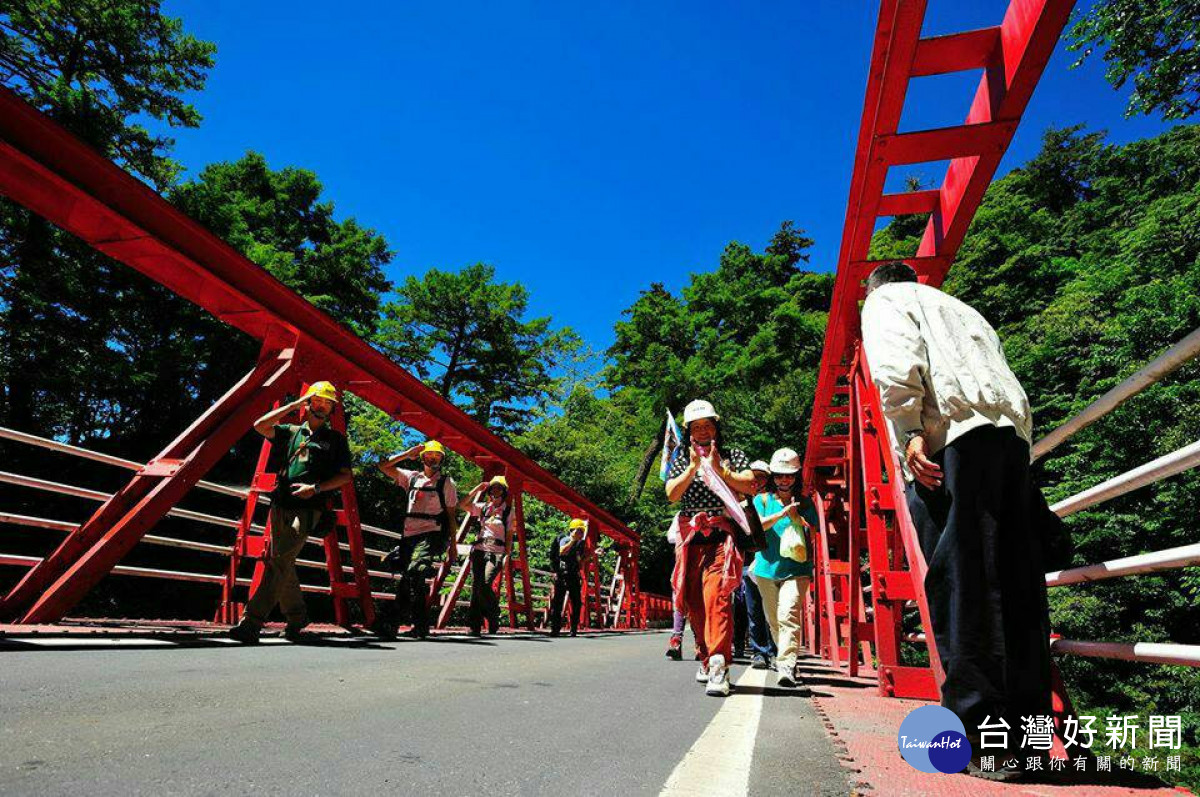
(702, 674)
(718, 677)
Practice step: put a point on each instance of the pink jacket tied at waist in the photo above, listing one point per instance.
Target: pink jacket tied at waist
(703, 524)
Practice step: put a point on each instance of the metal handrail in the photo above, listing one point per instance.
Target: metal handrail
(1176, 462)
(1156, 561)
(128, 464)
(185, 514)
(176, 575)
(1151, 652)
(172, 542)
(1182, 352)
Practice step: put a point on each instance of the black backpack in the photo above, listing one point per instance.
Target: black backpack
(403, 511)
(503, 519)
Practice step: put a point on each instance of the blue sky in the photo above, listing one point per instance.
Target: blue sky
(583, 149)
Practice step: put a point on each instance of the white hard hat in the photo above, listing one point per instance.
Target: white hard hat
(758, 464)
(785, 461)
(699, 409)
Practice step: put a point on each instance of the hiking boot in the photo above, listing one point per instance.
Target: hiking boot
(702, 674)
(244, 632)
(416, 633)
(384, 630)
(759, 662)
(294, 632)
(675, 650)
(718, 677)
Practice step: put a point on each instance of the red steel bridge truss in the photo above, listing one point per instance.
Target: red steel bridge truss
(55, 175)
(869, 569)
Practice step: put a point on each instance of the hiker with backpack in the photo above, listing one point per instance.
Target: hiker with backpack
(490, 551)
(428, 527)
(311, 461)
(567, 555)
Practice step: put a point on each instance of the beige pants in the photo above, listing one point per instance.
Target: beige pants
(280, 584)
(783, 604)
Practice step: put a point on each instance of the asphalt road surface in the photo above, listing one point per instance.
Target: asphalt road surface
(523, 715)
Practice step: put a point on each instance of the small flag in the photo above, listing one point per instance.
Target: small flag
(672, 438)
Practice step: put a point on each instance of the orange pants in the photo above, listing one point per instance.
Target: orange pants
(709, 611)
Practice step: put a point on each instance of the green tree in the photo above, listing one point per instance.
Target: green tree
(96, 67)
(747, 334)
(1152, 42)
(278, 219)
(466, 333)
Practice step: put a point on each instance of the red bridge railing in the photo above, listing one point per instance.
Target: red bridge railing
(49, 171)
(856, 620)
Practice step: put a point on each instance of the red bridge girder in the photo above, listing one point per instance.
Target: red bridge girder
(1013, 56)
(849, 465)
(54, 174)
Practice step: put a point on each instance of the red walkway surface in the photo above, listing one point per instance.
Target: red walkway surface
(863, 726)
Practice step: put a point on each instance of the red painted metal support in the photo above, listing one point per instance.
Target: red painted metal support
(56, 584)
(518, 560)
(346, 518)
(246, 543)
(463, 574)
(591, 595)
(849, 465)
(54, 174)
(892, 543)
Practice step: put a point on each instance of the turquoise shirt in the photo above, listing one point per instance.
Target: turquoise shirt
(770, 563)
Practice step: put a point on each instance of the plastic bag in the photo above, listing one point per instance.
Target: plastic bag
(793, 544)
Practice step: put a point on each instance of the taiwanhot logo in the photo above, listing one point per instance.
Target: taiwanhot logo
(933, 739)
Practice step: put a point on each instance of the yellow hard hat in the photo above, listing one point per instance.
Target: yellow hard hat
(500, 480)
(434, 446)
(577, 523)
(324, 390)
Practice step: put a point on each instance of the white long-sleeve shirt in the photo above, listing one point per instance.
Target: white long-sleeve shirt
(939, 367)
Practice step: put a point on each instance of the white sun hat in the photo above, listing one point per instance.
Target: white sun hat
(785, 461)
(699, 409)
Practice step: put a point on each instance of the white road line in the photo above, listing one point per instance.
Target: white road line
(718, 765)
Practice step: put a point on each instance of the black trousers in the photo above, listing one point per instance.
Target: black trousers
(565, 585)
(485, 605)
(418, 560)
(986, 582)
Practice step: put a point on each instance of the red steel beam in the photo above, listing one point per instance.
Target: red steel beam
(54, 174)
(1019, 50)
(957, 52)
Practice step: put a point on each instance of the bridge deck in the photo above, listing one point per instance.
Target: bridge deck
(172, 707)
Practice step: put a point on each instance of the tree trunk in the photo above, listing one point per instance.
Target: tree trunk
(31, 264)
(639, 481)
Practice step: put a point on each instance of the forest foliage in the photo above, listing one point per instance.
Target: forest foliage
(1086, 259)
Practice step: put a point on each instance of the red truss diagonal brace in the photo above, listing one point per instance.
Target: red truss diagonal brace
(849, 464)
(56, 584)
(54, 174)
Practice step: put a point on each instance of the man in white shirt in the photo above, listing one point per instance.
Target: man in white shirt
(961, 425)
(429, 524)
